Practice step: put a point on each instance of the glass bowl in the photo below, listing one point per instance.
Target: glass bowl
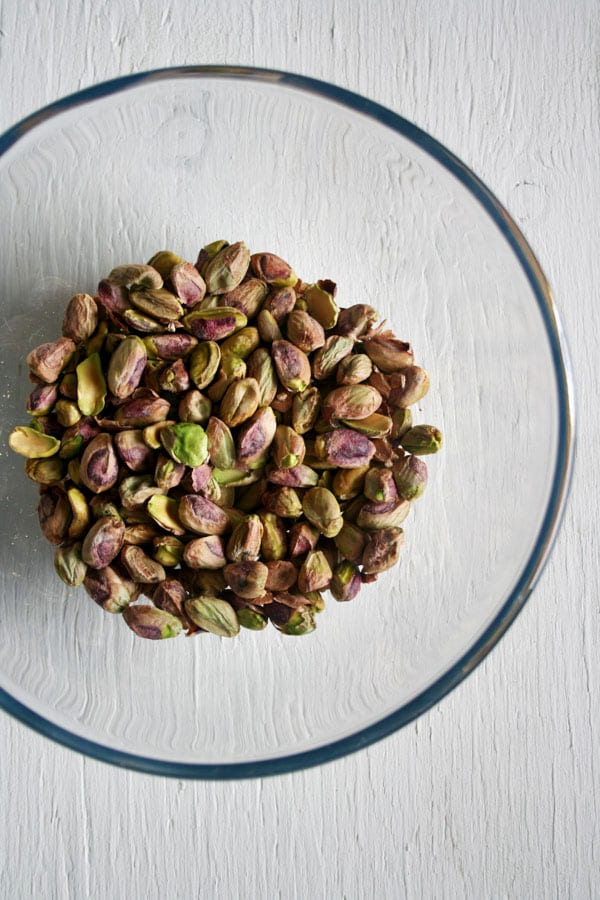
(343, 189)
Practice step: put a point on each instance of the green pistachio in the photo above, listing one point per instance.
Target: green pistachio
(213, 614)
(185, 442)
(31, 444)
(69, 565)
(226, 269)
(422, 440)
(321, 306)
(322, 510)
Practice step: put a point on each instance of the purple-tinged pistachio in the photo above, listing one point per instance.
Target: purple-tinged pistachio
(31, 443)
(204, 363)
(54, 514)
(295, 622)
(245, 541)
(273, 269)
(136, 275)
(214, 324)
(415, 384)
(164, 511)
(292, 365)
(151, 623)
(141, 567)
(351, 401)
(163, 262)
(139, 322)
(246, 579)
(422, 440)
(133, 450)
(197, 478)
(188, 283)
(213, 614)
(80, 513)
(140, 534)
(381, 383)
(126, 367)
(168, 550)
(205, 553)
(168, 473)
(170, 346)
(42, 399)
(283, 501)
(103, 542)
(305, 410)
(136, 490)
(145, 407)
(346, 581)
(344, 448)
(321, 305)
(227, 268)
(288, 447)
(291, 599)
(45, 471)
(255, 437)
(169, 596)
(303, 538)
(260, 367)
(294, 476)
(221, 446)
(354, 369)
(113, 298)
(388, 353)
(402, 421)
(329, 356)
(282, 402)
(158, 303)
(174, 378)
(81, 318)
(240, 402)
(201, 515)
(67, 413)
(251, 619)
(268, 328)
(304, 331)
(322, 510)
(111, 588)
(194, 407)
(273, 544)
(357, 321)
(382, 550)
(315, 572)
(374, 516)
(348, 483)
(280, 302)
(68, 386)
(99, 465)
(282, 575)
(376, 425)
(351, 541)
(410, 476)
(380, 486)
(247, 297)
(69, 565)
(47, 361)
(208, 252)
(242, 343)
(384, 451)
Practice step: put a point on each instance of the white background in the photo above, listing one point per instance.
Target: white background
(495, 792)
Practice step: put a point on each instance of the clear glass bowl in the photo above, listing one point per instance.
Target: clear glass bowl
(345, 189)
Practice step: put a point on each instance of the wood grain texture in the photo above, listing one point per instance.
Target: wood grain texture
(496, 792)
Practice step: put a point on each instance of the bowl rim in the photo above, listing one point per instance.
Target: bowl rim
(564, 457)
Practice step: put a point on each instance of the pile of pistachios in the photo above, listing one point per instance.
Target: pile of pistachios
(225, 440)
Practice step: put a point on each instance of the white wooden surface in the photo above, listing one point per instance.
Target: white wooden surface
(496, 792)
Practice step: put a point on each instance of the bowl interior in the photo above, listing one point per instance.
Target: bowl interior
(178, 161)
